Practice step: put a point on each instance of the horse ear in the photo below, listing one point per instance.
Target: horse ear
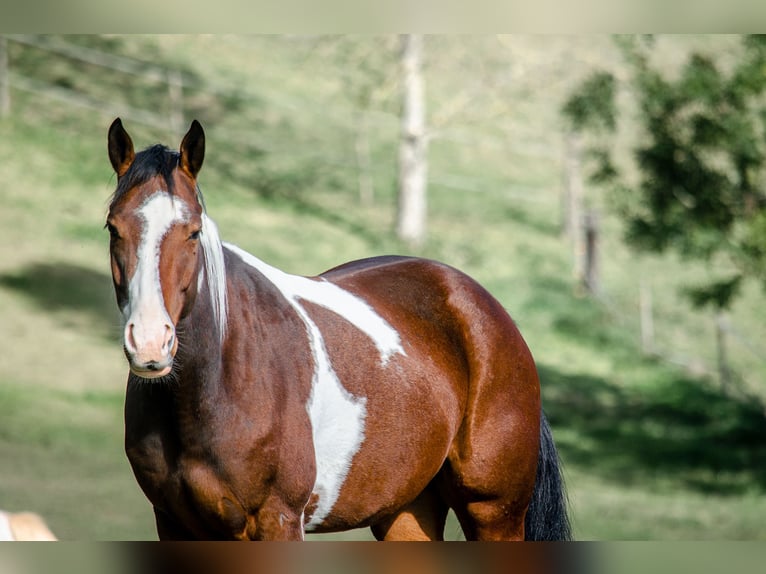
(193, 149)
(121, 152)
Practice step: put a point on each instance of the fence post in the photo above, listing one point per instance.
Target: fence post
(724, 372)
(363, 162)
(5, 83)
(647, 318)
(571, 202)
(572, 187)
(590, 278)
(175, 97)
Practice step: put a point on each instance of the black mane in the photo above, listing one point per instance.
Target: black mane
(150, 162)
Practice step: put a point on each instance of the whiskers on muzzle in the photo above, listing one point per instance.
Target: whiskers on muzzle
(170, 378)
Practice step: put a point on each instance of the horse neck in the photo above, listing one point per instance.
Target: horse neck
(200, 345)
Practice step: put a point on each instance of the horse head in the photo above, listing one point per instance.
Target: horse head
(156, 221)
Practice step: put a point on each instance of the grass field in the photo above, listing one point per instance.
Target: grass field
(651, 451)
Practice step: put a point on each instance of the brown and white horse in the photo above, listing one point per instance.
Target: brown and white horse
(262, 405)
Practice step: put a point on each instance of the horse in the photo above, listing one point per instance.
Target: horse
(262, 405)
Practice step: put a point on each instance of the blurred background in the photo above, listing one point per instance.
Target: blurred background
(609, 191)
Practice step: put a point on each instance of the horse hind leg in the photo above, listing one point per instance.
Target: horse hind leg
(490, 475)
(489, 504)
(422, 519)
(490, 520)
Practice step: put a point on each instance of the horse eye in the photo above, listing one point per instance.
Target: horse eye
(195, 235)
(112, 231)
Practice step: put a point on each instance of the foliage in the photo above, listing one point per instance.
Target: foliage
(702, 159)
(593, 106)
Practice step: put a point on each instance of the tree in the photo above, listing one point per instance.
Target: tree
(701, 161)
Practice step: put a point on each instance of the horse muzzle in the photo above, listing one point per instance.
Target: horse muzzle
(150, 351)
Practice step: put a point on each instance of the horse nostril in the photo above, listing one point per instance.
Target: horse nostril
(169, 340)
(130, 341)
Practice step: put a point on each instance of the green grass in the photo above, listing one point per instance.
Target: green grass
(651, 451)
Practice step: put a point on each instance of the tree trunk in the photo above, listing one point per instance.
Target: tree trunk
(413, 147)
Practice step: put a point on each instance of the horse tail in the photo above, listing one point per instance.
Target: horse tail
(547, 517)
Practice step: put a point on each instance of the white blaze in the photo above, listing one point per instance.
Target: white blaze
(145, 308)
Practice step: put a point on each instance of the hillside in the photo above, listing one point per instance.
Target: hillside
(652, 450)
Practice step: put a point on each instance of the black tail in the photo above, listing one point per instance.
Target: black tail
(547, 517)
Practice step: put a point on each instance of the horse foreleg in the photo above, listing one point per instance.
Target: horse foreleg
(275, 520)
(169, 528)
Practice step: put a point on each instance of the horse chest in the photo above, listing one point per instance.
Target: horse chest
(225, 482)
(190, 489)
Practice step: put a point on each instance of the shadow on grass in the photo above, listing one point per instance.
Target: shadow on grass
(62, 288)
(676, 429)
(648, 423)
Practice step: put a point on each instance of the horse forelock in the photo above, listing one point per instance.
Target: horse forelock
(149, 163)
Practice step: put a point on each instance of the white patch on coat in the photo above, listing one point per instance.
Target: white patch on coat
(337, 417)
(328, 295)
